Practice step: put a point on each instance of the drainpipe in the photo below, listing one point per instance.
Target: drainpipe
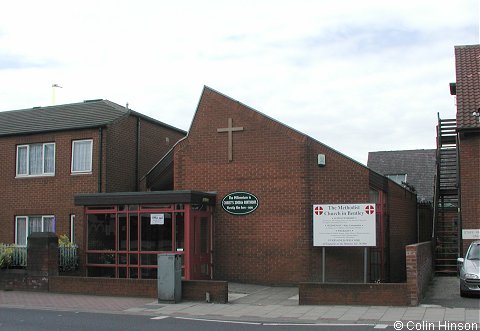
(100, 157)
(459, 195)
(137, 152)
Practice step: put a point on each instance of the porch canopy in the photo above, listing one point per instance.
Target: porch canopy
(152, 197)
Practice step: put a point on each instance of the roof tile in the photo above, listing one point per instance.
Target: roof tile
(467, 62)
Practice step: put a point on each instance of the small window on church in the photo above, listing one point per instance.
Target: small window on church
(398, 178)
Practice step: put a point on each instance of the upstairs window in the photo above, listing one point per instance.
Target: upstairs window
(82, 156)
(36, 160)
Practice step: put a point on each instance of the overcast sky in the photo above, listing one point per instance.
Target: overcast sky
(358, 76)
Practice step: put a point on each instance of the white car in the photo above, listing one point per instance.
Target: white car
(470, 270)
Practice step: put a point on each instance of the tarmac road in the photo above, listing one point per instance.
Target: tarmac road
(12, 319)
(444, 291)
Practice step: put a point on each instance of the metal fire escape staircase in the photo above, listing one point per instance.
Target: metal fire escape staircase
(446, 227)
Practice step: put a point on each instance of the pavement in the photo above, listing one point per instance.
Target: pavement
(247, 303)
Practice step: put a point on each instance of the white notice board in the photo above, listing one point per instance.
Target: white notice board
(344, 225)
(157, 219)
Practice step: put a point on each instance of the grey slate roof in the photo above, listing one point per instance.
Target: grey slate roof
(418, 164)
(87, 114)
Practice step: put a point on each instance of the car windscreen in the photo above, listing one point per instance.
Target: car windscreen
(474, 253)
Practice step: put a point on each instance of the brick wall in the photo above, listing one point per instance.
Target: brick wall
(425, 222)
(53, 195)
(44, 195)
(342, 180)
(353, 294)
(121, 140)
(42, 254)
(192, 290)
(279, 166)
(105, 286)
(419, 266)
(154, 142)
(402, 228)
(196, 290)
(470, 182)
(419, 259)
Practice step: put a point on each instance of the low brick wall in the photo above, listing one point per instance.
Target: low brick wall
(42, 254)
(375, 294)
(419, 265)
(146, 288)
(192, 290)
(20, 279)
(195, 290)
(419, 270)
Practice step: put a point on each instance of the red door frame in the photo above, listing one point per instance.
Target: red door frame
(194, 259)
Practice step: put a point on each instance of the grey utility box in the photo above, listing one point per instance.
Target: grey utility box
(169, 277)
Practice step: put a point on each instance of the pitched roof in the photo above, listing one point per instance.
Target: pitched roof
(418, 164)
(467, 62)
(87, 114)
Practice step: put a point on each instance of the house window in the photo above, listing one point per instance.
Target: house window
(398, 178)
(25, 225)
(36, 160)
(82, 156)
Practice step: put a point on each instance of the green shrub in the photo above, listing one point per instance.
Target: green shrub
(64, 241)
(6, 256)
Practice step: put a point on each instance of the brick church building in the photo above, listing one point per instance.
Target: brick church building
(233, 151)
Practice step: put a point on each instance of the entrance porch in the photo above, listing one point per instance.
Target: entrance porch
(124, 232)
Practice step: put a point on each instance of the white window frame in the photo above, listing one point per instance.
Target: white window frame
(86, 171)
(43, 173)
(72, 228)
(27, 222)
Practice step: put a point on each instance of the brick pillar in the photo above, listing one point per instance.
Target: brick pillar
(419, 258)
(42, 255)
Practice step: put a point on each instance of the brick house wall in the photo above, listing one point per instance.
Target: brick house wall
(469, 149)
(154, 141)
(121, 138)
(279, 166)
(53, 195)
(48, 195)
(467, 67)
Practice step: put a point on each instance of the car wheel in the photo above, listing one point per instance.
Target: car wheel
(463, 294)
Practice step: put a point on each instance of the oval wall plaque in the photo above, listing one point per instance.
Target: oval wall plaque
(239, 203)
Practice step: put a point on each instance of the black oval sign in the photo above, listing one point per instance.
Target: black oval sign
(239, 203)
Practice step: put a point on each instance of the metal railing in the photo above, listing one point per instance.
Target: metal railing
(18, 254)
(68, 256)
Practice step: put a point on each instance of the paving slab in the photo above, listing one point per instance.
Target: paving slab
(251, 303)
(354, 314)
(434, 314)
(414, 314)
(393, 314)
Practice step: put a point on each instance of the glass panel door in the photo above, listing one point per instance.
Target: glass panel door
(201, 248)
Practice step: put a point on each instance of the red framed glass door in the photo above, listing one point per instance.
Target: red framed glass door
(200, 251)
